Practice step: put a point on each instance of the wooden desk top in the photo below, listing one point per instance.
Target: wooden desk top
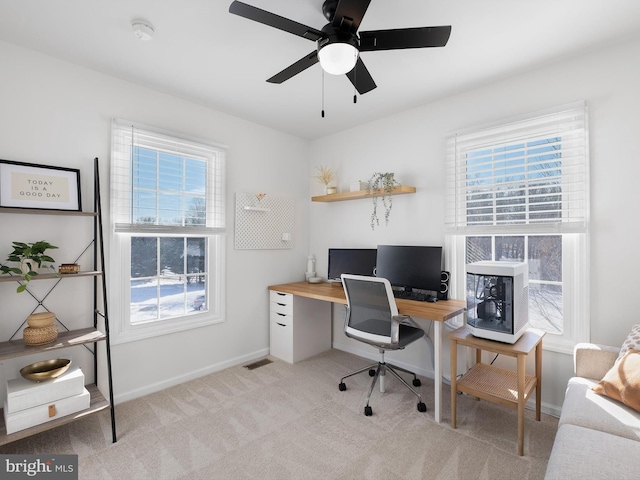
(333, 292)
(525, 344)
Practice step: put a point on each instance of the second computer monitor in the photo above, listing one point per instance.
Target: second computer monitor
(410, 267)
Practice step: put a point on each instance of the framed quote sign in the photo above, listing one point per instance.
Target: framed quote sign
(26, 185)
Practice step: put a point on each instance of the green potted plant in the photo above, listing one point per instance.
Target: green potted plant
(381, 185)
(30, 257)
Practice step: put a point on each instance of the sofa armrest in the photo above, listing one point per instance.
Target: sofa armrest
(593, 361)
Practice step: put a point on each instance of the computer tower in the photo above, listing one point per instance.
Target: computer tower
(498, 300)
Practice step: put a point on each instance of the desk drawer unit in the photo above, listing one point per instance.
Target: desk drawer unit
(299, 327)
(281, 303)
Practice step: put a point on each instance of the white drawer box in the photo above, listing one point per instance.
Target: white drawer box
(281, 339)
(299, 329)
(23, 393)
(279, 297)
(44, 413)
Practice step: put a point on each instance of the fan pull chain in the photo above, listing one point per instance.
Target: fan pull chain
(355, 82)
(322, 93)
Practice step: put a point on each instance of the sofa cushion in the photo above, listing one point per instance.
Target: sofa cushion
(593, 361)
(580, 453)
(622, 382)
(584, 407)
(632, 341)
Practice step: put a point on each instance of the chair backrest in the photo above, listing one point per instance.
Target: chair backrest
(370, 308)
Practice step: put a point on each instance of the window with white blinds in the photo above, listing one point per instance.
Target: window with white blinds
(519, 191)
(160, 182)
(526, 175)
(168, 218)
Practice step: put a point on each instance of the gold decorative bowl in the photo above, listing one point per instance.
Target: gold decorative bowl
(45, 370)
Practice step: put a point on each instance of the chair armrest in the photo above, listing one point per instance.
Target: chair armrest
(396, 320)
(593, 361)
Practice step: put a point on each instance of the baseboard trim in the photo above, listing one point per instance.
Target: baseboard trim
(170, 382)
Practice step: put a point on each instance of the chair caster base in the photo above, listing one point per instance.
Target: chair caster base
(416, 382)
(342, 387)
(422, 407)
(368, 411)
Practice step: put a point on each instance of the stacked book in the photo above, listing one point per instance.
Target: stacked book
(28, 403)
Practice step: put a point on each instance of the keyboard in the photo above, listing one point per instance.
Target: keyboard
(406, 295)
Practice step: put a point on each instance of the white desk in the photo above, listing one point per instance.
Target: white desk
(438, 312)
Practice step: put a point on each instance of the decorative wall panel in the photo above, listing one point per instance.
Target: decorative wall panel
(263, 222)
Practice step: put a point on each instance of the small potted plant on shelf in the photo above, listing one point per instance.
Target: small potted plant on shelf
(30, 257)
(381, 185)
(326, 175)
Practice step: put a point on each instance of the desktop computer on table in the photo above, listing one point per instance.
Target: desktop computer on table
(497, 300)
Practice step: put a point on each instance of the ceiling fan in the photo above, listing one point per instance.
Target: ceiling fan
(339, 43)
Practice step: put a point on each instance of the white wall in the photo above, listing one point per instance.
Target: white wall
(59, 114)
(55, 113)
(411, 144)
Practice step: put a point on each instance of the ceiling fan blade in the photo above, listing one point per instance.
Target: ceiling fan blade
(273, 20)
(296, 68)
(361, 78)
(349, 13)
(404, 38)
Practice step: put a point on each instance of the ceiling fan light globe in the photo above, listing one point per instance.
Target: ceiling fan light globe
(338, 58)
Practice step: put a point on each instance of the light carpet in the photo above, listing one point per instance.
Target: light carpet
(282, 421)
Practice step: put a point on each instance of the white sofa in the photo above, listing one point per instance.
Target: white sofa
(597, 438)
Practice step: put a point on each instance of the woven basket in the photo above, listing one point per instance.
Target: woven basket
(42, 319)
(40, 336)
(69, 268)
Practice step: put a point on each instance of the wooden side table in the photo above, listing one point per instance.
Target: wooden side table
(499, 385)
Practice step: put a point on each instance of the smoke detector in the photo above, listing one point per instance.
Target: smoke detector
(142, 29)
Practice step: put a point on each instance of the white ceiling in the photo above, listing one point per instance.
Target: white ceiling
(203, 53)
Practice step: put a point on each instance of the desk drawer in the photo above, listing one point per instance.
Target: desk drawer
(283, 308)
(279, 297)
(281, 318)
(281, 337)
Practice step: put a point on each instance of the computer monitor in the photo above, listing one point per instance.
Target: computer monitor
(410, 267)
(356, 261)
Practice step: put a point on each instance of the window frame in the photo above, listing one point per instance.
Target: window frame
(214, 232)
(575, 241)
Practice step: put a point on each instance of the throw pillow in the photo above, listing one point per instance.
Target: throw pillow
(632, 341)
(622, 382)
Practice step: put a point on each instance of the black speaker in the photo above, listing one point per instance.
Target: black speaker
(443, 294)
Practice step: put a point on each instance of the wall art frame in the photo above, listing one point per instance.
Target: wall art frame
(33, 186)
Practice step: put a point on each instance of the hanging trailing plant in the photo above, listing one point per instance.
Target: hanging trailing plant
(29, 256)
(381, 186)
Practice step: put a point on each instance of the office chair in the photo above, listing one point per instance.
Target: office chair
(372, 317)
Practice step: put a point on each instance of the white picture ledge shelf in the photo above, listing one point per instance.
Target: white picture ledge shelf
(339, 197)
(257, 209)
